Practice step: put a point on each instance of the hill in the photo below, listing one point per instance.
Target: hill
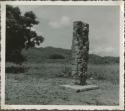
(43, 54)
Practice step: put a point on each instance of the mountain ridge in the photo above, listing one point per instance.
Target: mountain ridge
(43, 53)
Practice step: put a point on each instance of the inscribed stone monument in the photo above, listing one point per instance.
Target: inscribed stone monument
(80, 52)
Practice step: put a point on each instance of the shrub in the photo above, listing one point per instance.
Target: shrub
(56, 56)
(16, 69)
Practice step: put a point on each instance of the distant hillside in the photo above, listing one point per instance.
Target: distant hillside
(43, 54)
(95, 59)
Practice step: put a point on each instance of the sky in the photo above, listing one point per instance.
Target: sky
(56, 26)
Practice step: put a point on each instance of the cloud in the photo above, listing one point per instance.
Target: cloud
(103, 50)
(64, 21)
(109, 49)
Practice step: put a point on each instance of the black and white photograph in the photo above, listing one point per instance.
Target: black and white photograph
(62, 55)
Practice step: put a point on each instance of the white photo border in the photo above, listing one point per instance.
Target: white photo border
(63, 107)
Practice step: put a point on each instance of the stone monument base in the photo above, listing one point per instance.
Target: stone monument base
(80, 88)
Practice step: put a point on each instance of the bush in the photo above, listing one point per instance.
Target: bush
(15, 69)
(56, 56)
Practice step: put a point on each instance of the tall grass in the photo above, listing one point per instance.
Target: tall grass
(104, 72)
(98, 72)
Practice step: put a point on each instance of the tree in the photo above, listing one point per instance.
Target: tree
(56, 56)
(19, 34)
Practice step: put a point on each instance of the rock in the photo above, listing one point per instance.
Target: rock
(79, 88)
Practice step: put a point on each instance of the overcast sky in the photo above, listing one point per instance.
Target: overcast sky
(57, 28)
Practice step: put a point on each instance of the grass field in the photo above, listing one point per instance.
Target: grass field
(39, 83)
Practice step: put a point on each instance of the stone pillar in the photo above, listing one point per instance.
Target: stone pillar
(80, 52)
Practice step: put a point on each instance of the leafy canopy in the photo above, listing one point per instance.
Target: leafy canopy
(19, 33)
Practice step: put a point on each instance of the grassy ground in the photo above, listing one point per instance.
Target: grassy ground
(39, 83)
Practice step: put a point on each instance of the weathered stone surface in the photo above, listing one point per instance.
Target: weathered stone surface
(80, 52)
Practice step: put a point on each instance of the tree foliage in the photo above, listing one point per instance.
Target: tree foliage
(56, 56)
(19, 33)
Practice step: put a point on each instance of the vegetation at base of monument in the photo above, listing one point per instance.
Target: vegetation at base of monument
(19, 33)
(99, 72)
